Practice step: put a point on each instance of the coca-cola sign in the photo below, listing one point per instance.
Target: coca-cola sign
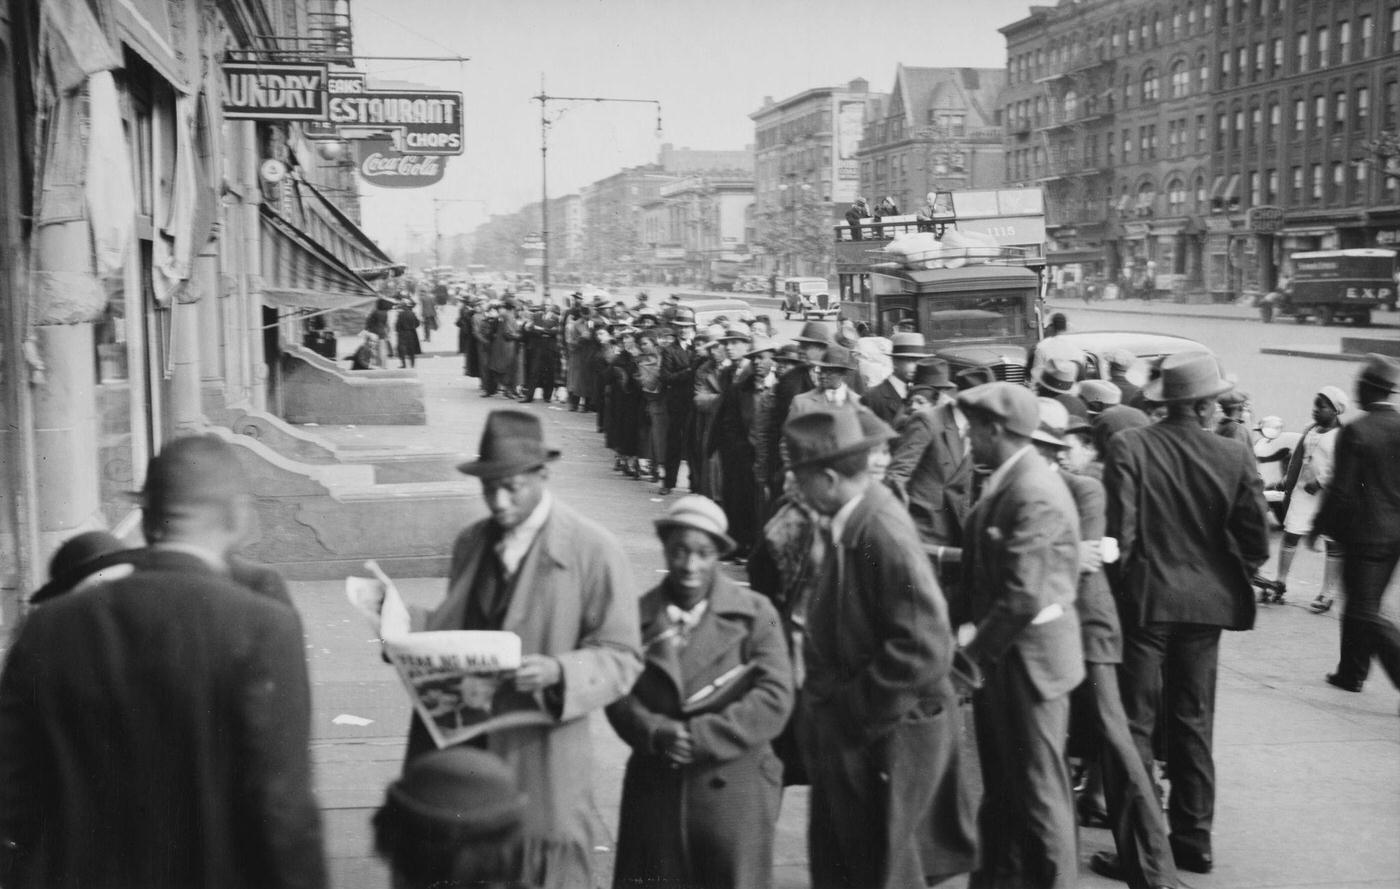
(381, 165)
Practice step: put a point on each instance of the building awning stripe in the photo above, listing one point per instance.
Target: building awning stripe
(300, 272)
(339, 234)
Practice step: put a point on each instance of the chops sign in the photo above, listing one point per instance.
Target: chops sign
(256, 91)
(381, 165)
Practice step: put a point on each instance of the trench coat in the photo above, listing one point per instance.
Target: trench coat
(710, 823)
(573, 600)
(505, 344)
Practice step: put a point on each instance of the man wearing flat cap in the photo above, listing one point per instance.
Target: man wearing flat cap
(1020, 575)
(1187, 508)
(538, 569)
(1361, 511)
(154, 728)
(877, 698)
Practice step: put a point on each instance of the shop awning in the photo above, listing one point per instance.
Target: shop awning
(299, 272)
(1069, 257)
(339, 234)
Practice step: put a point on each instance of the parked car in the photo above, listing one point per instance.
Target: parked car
(1091, 350)
(809, 298)
(707, 310)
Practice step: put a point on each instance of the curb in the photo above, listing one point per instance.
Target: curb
(1095, 307)
(1305, 352)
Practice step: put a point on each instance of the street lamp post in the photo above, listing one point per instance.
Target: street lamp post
(544, 99)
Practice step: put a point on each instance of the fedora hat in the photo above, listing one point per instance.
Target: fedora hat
(511, 443)
(1054, 422)
(814, 332)
(735, 332)
(1011, 404)
(1380, 371)
(908, 345)
(1187, 376)
(837, 358)
(790, 352)
(194, 469)
(822, 437)
(74, 560)
(699, 513)
(684, 317)
(761, 344)
(932, 373)
(1100, 392)
(469, 792)
(1059, 375)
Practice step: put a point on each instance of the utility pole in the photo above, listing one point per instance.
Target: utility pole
(544, 99)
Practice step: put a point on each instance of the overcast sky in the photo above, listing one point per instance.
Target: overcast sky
(709, 62)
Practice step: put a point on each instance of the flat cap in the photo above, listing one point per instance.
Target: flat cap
(1012, 404)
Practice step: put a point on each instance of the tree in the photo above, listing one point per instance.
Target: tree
(798, 231)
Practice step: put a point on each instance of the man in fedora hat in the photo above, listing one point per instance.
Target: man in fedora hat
(1058, 378)
(1187, 508)
(889, 399)
(122, 703)
(1361, 511)
(877, 698)
(1020, 572)
(538, 569)
(835, 368)
(932, 461)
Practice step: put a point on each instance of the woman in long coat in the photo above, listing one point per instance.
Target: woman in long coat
(701, 794)
(406, 326)
(625, 409)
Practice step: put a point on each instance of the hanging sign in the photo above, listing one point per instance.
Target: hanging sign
(380, 164)
(258, 91)
(431, 121)
(339, 85)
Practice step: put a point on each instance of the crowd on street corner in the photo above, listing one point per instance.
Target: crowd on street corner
(875, 558)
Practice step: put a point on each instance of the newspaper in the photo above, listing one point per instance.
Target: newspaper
(461, 682)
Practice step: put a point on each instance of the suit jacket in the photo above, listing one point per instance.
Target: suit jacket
(573, 600)
(885, 402)
(1187, 507)
(1098, 615)
(931, 465)
(815, 400)
(154, 731)
(1362, 504)
(1020, 557)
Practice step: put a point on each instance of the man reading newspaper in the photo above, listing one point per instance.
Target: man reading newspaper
(539, 570)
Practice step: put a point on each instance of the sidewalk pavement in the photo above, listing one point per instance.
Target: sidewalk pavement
(1308, 775)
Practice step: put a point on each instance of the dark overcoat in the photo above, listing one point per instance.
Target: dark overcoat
(1188, 509)
(406, 326)
(154, 731)
(710, 823)
(885, 403)
(933, 467)
(1098, 615)
(505, 341)
(878, 701)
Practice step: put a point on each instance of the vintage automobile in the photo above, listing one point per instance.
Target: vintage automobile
(809, 298)
(707, 310)
(1092, 348)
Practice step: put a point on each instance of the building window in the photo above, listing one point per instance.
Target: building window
(1300, 116)
(1316, 182)
(1242, 54)
(1201, 133)
(1149, 85)
(1222, 129)
(1113, 41)
(1360, 177)
(1277, 48)
(1181, 79)
(1392, 105)
(1176, 198)
(1156, 29)
(1339, 182)
(1071, 105)
(1238, 138)
(1131, 35)
(1363, 106)
(1271, 187)
(1343, 42)
(1255, 197)
(1224, 70)
(1323, 47)
(1142, 34)
(1297, 195)
(1302, 60)
(1127, 144)
(1176, 24)
(1274, 115)
(1256, 123)
(1202, 197)
(1368, 36)
(1395, 30)
(1339, 112)
(1319, 115)
(1191, 16)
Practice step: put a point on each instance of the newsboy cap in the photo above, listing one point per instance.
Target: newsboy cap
(1012, 405)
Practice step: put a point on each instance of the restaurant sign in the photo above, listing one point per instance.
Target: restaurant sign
(272, 91)
(380, 164)
(424, 122)
(1264, 220)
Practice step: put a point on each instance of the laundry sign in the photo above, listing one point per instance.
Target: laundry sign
(258, 91)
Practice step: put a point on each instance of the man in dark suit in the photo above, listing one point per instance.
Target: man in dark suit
(1187, 508)
(1361, 511)
(154, 729)
(878, 698)
(1020, 571)
(931, 460)
(888, 400)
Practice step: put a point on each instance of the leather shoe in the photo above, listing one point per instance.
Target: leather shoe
(1195, 861)
(1106, 864)
(1339, 681)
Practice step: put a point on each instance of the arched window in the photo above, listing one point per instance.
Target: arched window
(1181, 79)
(1149, 85)
(1146, 199)
(1176, 198)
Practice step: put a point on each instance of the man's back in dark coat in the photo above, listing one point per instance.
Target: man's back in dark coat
(885, 402)
(154, 732)
(1362, 504)
(935, 469)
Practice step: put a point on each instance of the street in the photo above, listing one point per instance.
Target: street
(1307, 774)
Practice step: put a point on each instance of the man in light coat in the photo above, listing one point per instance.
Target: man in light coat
(540, 570)
(1187, 508)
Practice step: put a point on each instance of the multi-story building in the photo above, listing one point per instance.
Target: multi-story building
(612, 212)
(700, 226)
(940, 129)
(805, 168)
(1105, 108)
(1302, 91)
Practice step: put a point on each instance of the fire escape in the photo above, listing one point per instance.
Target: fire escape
(1076, 137)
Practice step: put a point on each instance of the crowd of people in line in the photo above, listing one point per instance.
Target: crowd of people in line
(1050, 563)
